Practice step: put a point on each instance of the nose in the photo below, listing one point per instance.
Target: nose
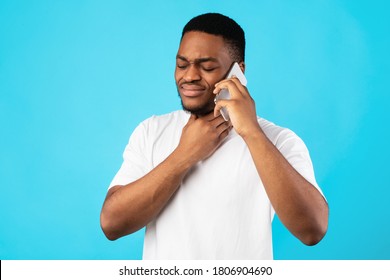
(192, 73)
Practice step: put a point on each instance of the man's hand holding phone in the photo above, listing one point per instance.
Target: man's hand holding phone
(234, 71)
(239, 105)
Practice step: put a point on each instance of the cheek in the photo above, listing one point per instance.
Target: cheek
(211, 81)
(177, 76)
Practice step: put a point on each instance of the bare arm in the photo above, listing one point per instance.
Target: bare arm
(129, 208)
(298, 204)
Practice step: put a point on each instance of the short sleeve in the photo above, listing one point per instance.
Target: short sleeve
(135, 158)
(296, 153)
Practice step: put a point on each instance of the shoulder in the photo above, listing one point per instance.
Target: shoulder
(174, 116)
(278, 135)
(157, 124)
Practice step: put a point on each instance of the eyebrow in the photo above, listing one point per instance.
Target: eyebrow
(198, 60)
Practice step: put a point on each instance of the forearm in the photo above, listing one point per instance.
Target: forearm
(129, 208)
(298, 204)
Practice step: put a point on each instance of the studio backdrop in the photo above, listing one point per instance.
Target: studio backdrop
(76, 77)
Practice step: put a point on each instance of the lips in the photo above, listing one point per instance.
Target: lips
(191, 90)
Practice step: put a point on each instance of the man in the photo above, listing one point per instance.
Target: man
(206, 188)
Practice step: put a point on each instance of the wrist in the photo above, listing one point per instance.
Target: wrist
(251, 130)
(182, 159)
(254, 135)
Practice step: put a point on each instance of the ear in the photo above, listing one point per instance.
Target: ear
(242, 66)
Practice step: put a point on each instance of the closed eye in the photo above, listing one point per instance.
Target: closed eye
(181, 66)
(209, 69)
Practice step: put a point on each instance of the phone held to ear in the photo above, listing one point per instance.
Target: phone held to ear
(235, 70)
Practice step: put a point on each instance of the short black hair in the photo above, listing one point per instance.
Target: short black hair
(220, 25)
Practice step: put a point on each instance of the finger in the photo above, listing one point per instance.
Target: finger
(230, 86)
(223, 126)
(243, 89)
(224, 130)
(233, 85)
(233, 79)
(217, 121)
(209, 117)
(218, 106)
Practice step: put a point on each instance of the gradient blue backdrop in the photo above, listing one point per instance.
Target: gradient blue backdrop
(76, 77)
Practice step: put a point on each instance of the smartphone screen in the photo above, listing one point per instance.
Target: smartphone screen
(235, 70)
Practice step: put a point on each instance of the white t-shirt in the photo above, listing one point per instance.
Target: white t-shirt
(220, 210)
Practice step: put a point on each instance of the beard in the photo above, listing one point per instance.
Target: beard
(200, 110)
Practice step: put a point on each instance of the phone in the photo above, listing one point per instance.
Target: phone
(235, 70)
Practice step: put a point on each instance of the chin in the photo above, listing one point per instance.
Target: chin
(199, 107)
(200, 110)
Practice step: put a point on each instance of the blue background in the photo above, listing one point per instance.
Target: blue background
(76, 77)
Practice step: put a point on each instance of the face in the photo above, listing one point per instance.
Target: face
(202, 60)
